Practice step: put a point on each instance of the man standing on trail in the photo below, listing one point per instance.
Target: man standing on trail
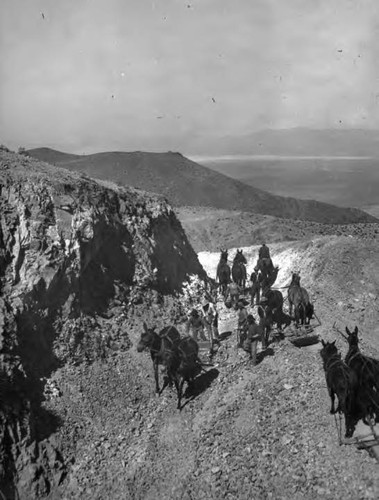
(210, 316)
(250, 343)
(195, 326)
(255, 288)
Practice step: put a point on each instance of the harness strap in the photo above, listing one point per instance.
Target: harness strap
(334, 362)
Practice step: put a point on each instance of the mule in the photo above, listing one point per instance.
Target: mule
(267, 280)
(297, 296)
(274, 302)
(265, 266)
(223, 272)
(163, 350)
(239, 257)
(274, 299)
(239, 269)
(367, 372)
(239, 274)
(304, 313)
(280, 318)
(342, 382)
(188, 365)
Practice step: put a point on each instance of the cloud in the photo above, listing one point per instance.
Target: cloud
(92, 73)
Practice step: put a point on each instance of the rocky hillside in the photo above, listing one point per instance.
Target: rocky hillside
(184, 182)
(79, 260)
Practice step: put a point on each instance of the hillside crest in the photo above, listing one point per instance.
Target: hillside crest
(186, 183)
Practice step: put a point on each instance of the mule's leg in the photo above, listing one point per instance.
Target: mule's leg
(167, 381)
(349, 425)
(253, 352)
(156, 377)
(267, 333)
(180, 393)
(290, 307)
(332, 398)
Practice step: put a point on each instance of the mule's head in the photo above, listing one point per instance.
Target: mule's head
(147, 337)
(352, 337)
(224, 255)
(295, 278)
(239, 257)
(328, 349)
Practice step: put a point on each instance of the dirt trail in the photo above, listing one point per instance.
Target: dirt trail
(253, 432)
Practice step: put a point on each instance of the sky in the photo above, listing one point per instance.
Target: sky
(98, 75)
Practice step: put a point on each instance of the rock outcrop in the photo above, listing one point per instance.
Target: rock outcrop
(78, 258)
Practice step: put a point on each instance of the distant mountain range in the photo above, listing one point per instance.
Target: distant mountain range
(296, 142)
(186, 183)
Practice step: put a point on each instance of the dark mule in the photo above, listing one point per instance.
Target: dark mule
(239, 274)
(239, 269)
(223, 272)
(268, 280)
(341, 381)
(304, 313)
(265, 266)
(274, 301)
(367, 372)
(163, 349)
(298, 299)
(280, 318)
(188, 365)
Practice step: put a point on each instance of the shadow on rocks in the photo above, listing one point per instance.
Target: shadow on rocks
(263, 354)
(225, 335)
(200, 384)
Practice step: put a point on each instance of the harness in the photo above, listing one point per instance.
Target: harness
(334, 362)
(164, 337)
(366, 362)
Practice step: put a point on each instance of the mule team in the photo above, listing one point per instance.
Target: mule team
(355, 380)
(180, 355)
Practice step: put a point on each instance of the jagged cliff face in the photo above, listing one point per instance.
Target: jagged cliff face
(78, 258)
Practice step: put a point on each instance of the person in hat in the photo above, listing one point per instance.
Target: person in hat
(253, 335)
(264, 262)
(264, 252)
(210, 316)
(195, 325)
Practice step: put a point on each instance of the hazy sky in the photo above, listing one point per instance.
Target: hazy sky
(91, 75)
